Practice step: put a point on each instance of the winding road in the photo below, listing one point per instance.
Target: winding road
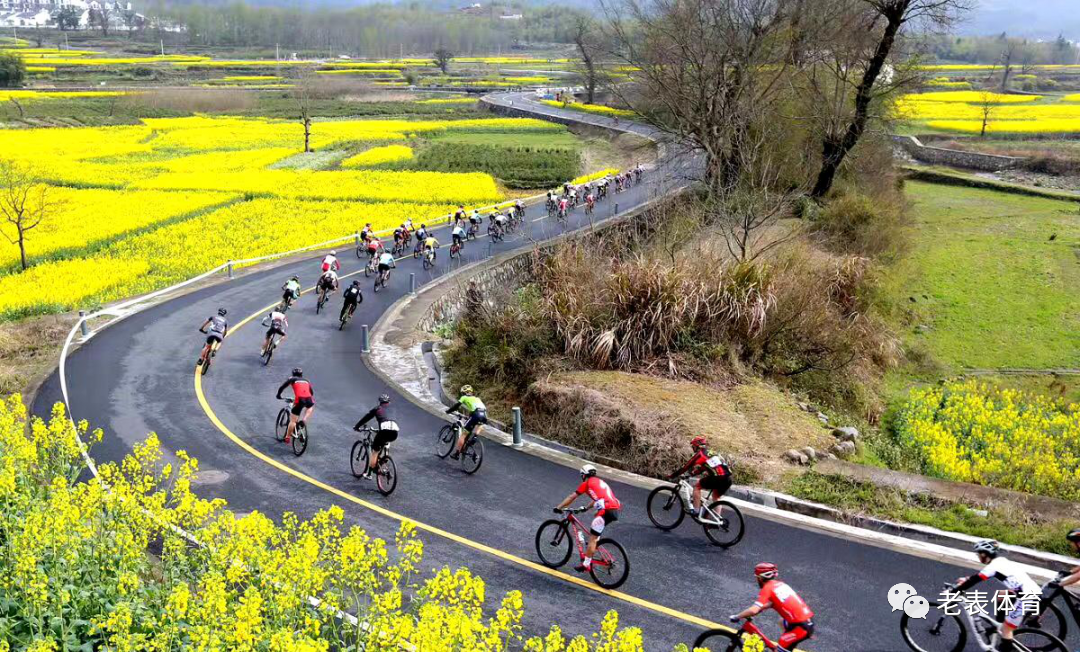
(136, 377)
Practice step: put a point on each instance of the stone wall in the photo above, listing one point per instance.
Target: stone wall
(486, 282)
(954, 157)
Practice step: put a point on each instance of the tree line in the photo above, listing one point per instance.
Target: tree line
(994, 49)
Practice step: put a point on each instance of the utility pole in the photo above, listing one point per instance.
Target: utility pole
(162, 41)
(277, 51)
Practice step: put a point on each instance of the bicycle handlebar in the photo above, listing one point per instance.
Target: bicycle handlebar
(575, 510)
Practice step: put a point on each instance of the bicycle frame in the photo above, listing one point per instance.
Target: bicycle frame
(576, 529)
(749, 628)
(684, 485)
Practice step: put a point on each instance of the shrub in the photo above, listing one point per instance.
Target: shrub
(12, 70)
(77, 571)
(517, 167)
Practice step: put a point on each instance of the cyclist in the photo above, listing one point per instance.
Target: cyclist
(386, 261)
(460, 215)
(431, 244)
(714, 471)
(477, 412)
(328, 283)
(562, 207)
(499, 220)
(219, 328)
(798, 619)
(277, 323)
(352, 296)
(1016, 580)
(366, 233)
(474, 222)
(303, 399)
(373, 246)
(607, 509)
(330, 262)
(422, 233)
(400, 234)
(458, 235)
(388, 430)
(519, 210)
(408, 225)
(590, 202)
(291, 291)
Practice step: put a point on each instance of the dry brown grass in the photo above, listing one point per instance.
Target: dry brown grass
(29, 351)
(194, 100)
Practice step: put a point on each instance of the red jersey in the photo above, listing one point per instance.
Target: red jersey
(705, 462)
(301, 389)
(785, 601)
(603, 498)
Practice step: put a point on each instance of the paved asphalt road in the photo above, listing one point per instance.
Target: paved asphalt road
(137, 377)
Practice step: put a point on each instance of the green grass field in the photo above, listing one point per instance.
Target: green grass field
(560, 140)
(984, 286)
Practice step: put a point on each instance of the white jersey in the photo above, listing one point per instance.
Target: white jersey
(330, 261)
(386, 259)
(1011, 574)
(458, 231)
(330, 276)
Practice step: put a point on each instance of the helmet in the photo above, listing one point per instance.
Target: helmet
(333, 252)
(356, 282)
(423, 226)
(466, 390)
(766, 571)
(222, 311)
(1073, 535)
(297, 371)
(296, 278)
(588, 470)
(988, 547)
(384, 398)
(698, 442)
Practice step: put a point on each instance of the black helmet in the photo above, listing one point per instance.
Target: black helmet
(296, 278)
(384, 398)
(356, 282)
(298, 372)
(1074, 535)
(222, 311)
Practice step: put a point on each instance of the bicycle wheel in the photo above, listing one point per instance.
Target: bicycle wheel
(454, 251)
(344, 318)
(1051, 620)
(1026, 639)
(553, 544)
(445, 441)
(281, 426)
(360, 252)
(472, 456)
(719, 640)
(386, 475)
(319, 305)
(664, 508)
(367, 271)
(205, 365)
(428, 264)
(937, 632)
(269, 353)
(299, 439)
(610, 566)
(731, 530)
(358, 458)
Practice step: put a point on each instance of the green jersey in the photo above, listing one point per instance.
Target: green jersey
(472, 403)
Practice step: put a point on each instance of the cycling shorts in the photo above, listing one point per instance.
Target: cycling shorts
(795, 633)
(289, 295)
(598, 523)
(382, 438)
(383, 267)
(1016, 616)
(717, 483)
(301, 403)
(274, 330)
(325, 284)
(211, 338)
(475, 419)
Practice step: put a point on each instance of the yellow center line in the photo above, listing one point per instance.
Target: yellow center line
(521, 561)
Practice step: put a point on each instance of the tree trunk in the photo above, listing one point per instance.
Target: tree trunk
(22, 250)
(834, 149)
(307, 135)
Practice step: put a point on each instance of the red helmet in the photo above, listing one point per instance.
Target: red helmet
(698, 442)
(766, 571)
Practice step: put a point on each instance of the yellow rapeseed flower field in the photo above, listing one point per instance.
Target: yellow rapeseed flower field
(963, 111)
(973, 432)
(589, 108)
(148, 205)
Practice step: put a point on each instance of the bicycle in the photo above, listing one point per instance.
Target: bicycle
(385, 469)
(429, 259)
(372, 266)
(668, 505)
(324, 294)
(380, 282)
(361, 250)
(286, 303)
(472, 452)
(455, 250)
(344, 319)
(748, 637)
(495, 233)
(208, 352)
(1051, 617)
(418, 249)
(300, 433)
(940, 631)
(610, 566)
(474, 228)
(269, 351)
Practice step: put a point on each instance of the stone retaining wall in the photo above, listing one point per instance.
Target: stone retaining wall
(955, 157)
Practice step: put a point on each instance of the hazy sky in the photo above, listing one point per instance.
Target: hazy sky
(1035, 18)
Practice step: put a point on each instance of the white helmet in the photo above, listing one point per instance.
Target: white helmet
(988, 547)
(588, 470)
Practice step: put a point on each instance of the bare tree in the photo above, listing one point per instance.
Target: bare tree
(586, 36)
(25, 204)
(102, 17)
(303, 93)
(986, 109)
(887, 19)
(703, 68)
(442, 59)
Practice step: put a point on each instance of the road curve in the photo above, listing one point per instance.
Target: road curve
(136, 377)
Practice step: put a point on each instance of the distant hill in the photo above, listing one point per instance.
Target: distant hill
(1043, 19)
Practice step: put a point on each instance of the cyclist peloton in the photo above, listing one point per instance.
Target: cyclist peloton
(303, 399)
(774, 594)
(1016, 580)
(330, 262)
(219, 328)
(477, 412)
(328, 283)
(714, 471)
(291, 290)
(352, 297)
(607, 509)
(387, 431)
(277, 323)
